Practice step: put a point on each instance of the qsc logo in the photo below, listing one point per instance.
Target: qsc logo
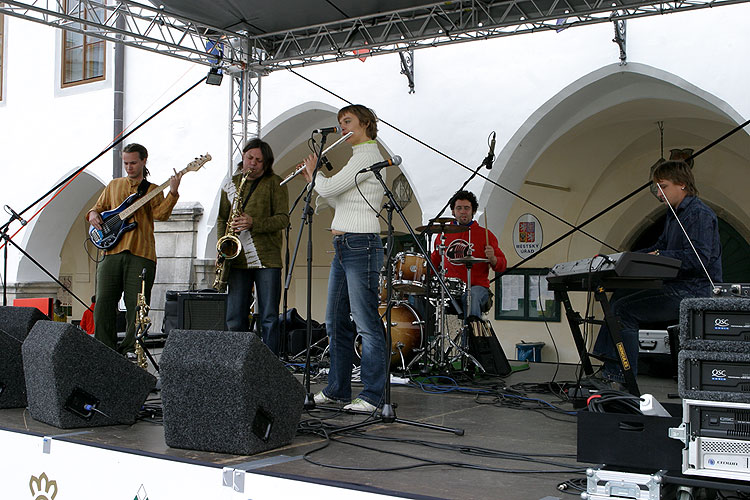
(717, 374)
(721, 324)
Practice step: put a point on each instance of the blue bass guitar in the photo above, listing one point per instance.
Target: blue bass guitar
(116, 221)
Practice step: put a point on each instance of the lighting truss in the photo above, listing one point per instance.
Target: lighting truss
(430, 25)
(448, 23)
(145, 27)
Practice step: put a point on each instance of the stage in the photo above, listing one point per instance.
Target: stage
(489, 461)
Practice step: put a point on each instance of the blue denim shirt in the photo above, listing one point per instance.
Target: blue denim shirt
(702, 227)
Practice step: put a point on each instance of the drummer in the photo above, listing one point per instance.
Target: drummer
(483, 244)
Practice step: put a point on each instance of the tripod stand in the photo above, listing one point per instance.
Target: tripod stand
(388, 413)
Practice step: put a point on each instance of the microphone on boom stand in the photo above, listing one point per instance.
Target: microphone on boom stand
(491, 155)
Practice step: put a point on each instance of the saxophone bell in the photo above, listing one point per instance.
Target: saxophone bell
(229, 247)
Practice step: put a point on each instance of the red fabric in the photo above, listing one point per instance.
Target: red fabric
(87, 320)
(479, 272)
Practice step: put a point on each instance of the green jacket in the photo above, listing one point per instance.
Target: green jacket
(268, 206)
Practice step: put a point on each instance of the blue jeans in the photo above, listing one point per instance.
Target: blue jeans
(634, 307)
(353, 290)
(479, 297)
(268, 286)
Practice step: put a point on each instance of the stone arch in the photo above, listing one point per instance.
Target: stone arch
(45, 236)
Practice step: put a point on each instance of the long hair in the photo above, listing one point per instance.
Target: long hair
(265, 150)
(678, 172)
(366, 117)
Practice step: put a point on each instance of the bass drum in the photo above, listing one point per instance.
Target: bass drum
(406, 335)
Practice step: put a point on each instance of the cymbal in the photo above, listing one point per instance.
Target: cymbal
(442, 220)
(469, 260)
(448, 229)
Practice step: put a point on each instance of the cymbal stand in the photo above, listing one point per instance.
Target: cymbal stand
(464, 332)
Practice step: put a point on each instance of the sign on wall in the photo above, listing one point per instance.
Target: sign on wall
(527, 235)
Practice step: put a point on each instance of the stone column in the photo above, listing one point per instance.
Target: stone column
(176, 244)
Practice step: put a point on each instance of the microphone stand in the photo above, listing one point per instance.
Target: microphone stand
(388, 413)
(487, 162)
(284, 352)
(307, 219)
(8, 239)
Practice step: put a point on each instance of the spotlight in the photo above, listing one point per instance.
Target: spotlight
(214, 76)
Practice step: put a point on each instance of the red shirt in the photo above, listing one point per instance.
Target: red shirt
(457, 244)
(87, 320)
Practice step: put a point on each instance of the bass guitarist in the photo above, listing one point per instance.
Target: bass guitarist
(120, 271)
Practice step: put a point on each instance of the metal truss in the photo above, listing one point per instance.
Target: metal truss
(245, 119)
(145, 27)
(447, 23)
(442, 23)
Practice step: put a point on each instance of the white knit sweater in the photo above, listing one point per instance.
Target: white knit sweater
(352, 214)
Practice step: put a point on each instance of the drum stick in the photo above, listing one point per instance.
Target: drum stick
(486, 231)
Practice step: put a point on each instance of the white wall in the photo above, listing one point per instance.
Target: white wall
(523, 87)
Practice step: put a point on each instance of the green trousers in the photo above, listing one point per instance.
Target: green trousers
(118, 275)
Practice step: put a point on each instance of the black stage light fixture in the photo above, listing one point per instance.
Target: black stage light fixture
(214, 76)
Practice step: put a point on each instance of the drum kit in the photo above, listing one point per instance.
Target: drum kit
(412, 285)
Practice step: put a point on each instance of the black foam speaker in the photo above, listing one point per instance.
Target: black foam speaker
(15, 324)
(73, 380)
(227, 392)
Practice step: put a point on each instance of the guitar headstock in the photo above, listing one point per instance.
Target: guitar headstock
(198, 163)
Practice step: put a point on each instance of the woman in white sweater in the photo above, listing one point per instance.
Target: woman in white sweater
(355, 271)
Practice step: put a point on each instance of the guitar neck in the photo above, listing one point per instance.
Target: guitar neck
(145, 199)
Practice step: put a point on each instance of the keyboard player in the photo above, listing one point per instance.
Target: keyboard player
(675, 186)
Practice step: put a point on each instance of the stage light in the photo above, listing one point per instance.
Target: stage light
(214, 76)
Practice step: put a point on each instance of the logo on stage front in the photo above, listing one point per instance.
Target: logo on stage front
(141, 495)
(42, 488)
(527, 235)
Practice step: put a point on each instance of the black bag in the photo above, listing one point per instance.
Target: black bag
(484, 346)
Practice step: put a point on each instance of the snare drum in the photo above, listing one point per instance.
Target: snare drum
(455, 286)
(409, 273)
(406, 334)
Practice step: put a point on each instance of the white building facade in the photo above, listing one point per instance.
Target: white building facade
(576, 130)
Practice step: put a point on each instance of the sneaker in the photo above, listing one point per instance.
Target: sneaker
(359, 404)
(322, 399)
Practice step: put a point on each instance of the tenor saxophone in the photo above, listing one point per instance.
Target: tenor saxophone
(229, 246)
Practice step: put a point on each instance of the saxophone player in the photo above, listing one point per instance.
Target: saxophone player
(258, 223)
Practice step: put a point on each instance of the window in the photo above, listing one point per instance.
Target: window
(83, 56)
(2, 49)
(522, 295)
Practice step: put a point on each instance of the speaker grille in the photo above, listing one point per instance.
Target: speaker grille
(202, 311)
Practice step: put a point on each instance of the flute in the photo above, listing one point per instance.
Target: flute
(301, 166)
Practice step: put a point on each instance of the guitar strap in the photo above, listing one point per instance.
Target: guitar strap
(143, 188)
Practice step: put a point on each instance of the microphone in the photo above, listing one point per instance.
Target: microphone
(491, 155)
(327, 130)
(15, 215)
(327, 163)
(396, 160)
